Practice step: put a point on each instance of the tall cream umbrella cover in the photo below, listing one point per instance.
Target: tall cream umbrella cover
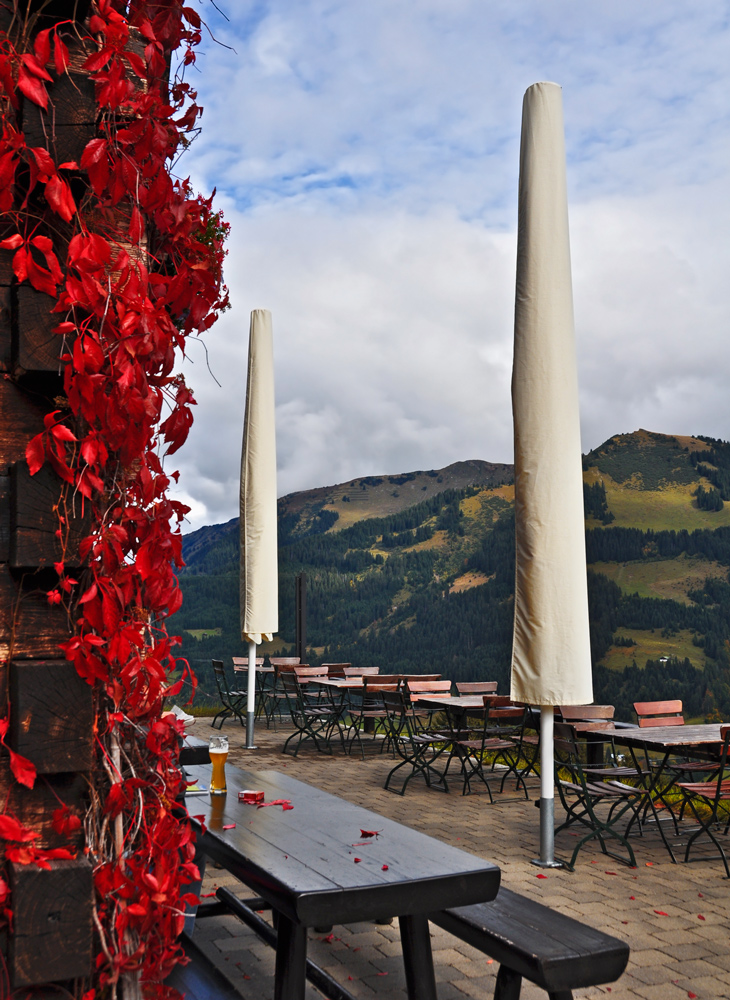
(259, 578)
(551, 661)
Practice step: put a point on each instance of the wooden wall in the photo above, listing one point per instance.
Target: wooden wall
(50, 706)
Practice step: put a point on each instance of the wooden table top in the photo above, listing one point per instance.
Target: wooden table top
(302, 860)
(459, 701)
(667, 736)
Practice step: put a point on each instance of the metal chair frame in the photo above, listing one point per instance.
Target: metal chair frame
(234, 702)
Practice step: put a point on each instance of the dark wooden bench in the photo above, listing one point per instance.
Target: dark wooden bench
(200, 979)
(530, 940)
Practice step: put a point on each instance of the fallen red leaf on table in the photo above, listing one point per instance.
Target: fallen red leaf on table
(624, 921)
(384, 868)
(206, 895)
(700, 895)
(230, 826)
(369, 833)
(700, 917)
(357, 860)
(489, 961)
(541, 876)
(632, 897)
(605, 873)
(329, 939)
(649, 864)
(661, 913)
(692, 996)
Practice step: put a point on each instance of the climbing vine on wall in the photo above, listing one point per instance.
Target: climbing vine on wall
(132, 258)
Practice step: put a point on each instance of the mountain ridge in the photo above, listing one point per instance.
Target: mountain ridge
(430, 582)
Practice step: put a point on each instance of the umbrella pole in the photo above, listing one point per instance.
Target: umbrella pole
(251, 695)
(547, 791)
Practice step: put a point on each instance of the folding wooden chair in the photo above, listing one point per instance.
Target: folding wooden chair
(366, 711)
(592, 802)
(233, 702)
(312, 720)
(413, 690)
(417, 750)
(712, 795)
(670, 713)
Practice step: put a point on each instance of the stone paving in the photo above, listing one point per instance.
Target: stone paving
(676, 918)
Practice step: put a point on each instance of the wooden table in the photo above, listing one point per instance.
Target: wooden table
(702, 741)
(302, 862)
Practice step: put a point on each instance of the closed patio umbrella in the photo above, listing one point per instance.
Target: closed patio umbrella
(258, 570)
(551, 660)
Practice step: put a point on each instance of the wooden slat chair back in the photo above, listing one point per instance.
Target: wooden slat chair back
(241, 662)
(413, 689)
(303, 671)
(659, 713)
(378, 680)
(420, 677)
(361, 671)
(335, 669)
(588, 717)
(476, 687)
(283, 661)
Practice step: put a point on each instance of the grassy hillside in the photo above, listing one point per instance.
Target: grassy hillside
(415, 572)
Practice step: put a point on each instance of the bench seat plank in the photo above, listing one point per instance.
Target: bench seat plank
(200, 979)
(550, 949)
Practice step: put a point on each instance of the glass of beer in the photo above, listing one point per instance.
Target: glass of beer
(218, 750)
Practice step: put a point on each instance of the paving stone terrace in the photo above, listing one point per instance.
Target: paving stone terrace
(676, 918)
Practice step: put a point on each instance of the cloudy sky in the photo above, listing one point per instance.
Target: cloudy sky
(366, 156)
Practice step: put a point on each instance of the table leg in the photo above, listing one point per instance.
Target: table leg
(291, 960)
(417, 957)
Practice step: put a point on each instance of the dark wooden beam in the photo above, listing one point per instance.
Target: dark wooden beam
(21, 418)
(34, 519)
(34, 807)
(30, 627)
(38, 348)
(52, 717)
(52, 922)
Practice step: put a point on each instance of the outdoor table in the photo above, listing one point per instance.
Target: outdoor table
(303, 862)
(702, 742)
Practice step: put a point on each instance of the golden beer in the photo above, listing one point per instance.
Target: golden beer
(218, 751)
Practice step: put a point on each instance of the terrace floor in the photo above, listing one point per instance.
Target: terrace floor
(676, 918)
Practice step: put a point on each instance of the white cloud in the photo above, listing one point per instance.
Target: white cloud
(366, 155)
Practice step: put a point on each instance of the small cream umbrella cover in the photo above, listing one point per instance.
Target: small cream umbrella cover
(258, 569)
(551, 660)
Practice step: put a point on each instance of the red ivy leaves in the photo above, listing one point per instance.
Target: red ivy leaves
(124, 314)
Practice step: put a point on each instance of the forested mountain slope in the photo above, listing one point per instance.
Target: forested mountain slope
(415, 572)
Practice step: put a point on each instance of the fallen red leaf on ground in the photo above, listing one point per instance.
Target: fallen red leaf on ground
(541, 876)
(661, 913)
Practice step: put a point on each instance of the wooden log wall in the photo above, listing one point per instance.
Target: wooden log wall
(50, 706)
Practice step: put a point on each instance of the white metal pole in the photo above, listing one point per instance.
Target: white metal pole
(251, 695)
(547, 790)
